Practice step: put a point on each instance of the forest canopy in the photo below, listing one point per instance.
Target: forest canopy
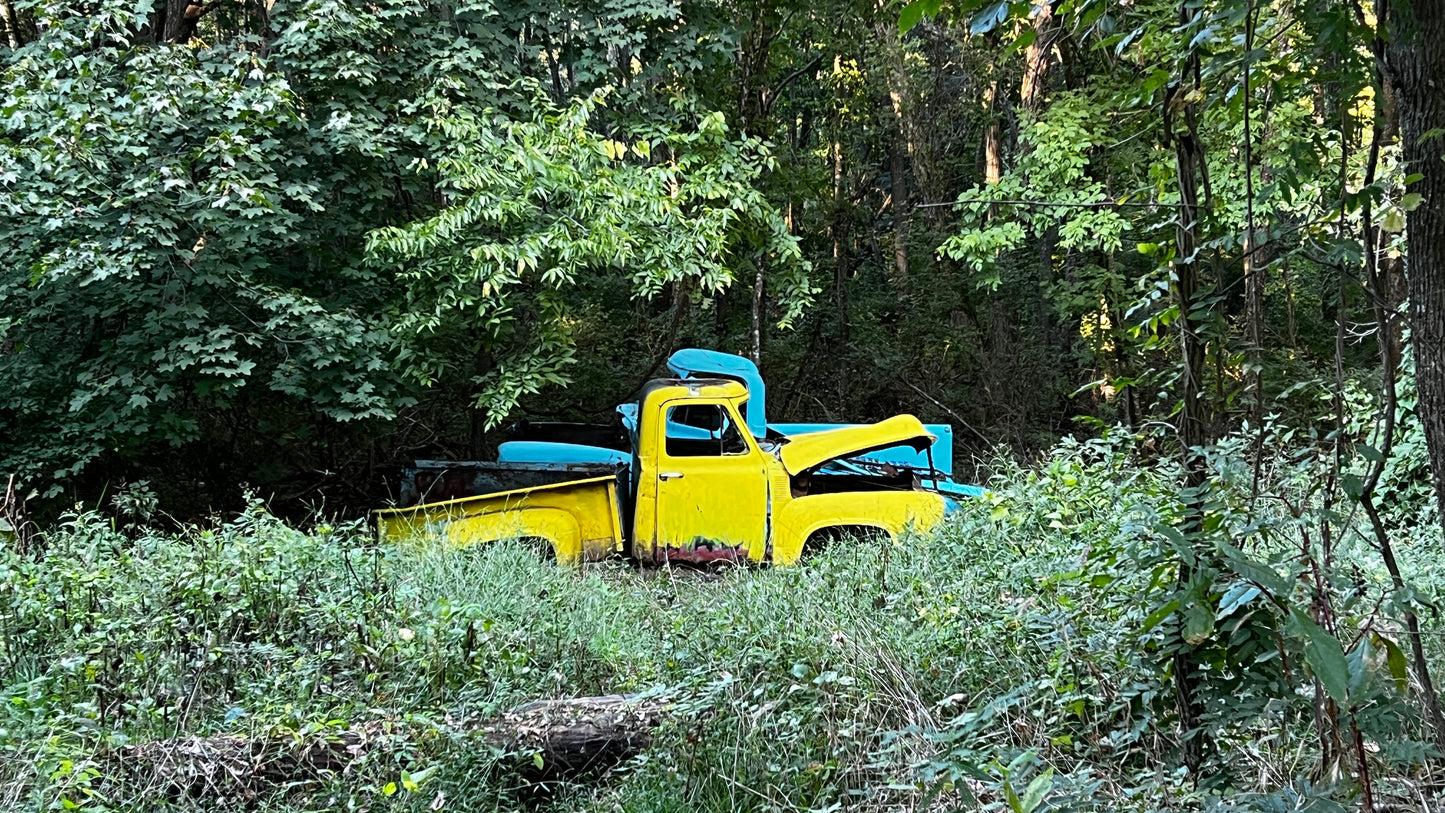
(357, 233)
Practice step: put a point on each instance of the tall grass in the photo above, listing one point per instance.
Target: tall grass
(1001, 662)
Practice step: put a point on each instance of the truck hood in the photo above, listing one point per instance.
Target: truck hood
(803, 452)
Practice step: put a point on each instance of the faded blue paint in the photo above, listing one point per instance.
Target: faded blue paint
(693, 362)
(674, 429)
(533, 451)
(628, 413)
(951, 489)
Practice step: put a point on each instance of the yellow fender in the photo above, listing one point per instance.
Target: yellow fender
(552, 524)
(889, 511)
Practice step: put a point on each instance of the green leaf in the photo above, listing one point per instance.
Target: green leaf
(1325, 657)
(1198, 623)
(911, 15)
(1014, 803)
(1236, 597)
(1155, 618)
(1359, 662)
(1352, 484)
(1023, 40)
(1393, 221)
(1036, 791)
(1395, 660)
(1261, 574)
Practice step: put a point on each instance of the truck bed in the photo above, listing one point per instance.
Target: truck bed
(429, 481)
(581, 517)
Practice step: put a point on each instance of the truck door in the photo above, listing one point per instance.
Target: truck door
(712, 488)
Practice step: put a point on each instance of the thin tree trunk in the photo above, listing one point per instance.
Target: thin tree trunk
(759, 292)
(901, 96)
(1189, 159)
(900, 216)
(992, 136)
(554, 69)
(1253, 275)
(841, 271)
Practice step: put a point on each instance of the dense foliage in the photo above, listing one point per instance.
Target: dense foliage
(217, 246)
(358, 233)
(1016, 660)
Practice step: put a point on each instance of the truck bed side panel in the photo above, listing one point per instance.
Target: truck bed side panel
(581, 518)
(431, 481)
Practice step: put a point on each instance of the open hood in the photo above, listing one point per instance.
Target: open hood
(803, 452)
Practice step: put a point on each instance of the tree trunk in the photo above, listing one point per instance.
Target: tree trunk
(759, 297)
(575, 736)
(551, 740)
(901, 96)
(901, 214)
(176, 20)
(992, 136)
(1415, 63)
(1253, 273)
(1037, 59)
(1189, 165)
(8, 20)
(841, 217)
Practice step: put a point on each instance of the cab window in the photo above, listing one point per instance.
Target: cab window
(702, 430)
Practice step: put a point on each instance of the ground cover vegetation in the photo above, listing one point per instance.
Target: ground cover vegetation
(1019, 659)
(277, 248)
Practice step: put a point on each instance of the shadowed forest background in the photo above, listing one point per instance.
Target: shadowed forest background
(1175, 271)
(291, 245)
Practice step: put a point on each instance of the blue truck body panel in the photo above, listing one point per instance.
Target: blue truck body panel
(697, 363)
(532, 451)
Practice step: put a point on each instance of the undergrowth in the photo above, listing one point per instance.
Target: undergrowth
(1024, 657)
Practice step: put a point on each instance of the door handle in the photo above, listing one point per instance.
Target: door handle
(669, 475)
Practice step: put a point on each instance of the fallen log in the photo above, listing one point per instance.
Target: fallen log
(561, 739)
(236, 770)
(543, 742)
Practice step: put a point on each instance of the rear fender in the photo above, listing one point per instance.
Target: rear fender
(552, 524)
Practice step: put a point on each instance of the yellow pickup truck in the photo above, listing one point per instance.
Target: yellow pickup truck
(697, 486)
